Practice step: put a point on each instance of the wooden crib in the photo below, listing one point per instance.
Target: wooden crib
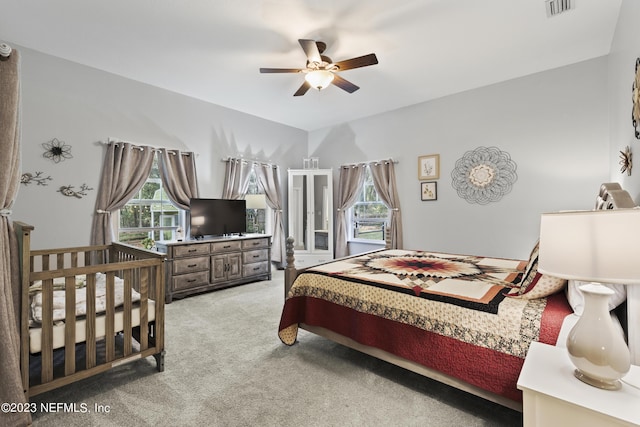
(108, 310)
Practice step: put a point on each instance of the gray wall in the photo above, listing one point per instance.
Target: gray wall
(625, 49)
(564, 128)
(83, 106)
(553, 124)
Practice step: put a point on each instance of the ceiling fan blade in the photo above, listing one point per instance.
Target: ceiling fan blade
(302, 89)
(360, 61)
(280, 70)
(344, 84)
(311, 50)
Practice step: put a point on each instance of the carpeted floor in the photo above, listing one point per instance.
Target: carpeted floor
(225, 366)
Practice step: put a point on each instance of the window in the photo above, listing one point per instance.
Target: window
(149, 215)
(256, 218)
(369, 214)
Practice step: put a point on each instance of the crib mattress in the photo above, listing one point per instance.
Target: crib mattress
(35, 333)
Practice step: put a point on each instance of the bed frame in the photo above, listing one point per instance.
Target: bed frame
(611, 196)
(140, 270)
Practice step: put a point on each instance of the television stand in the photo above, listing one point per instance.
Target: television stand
(195, 266)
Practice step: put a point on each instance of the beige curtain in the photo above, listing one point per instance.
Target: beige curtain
(125, 169)
(11, 389)
(384, 180)
(350, 183)
(269, 178)
(178, 174)
(236, 178)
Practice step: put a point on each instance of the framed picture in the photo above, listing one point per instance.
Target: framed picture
(429, 167)
(429, 190)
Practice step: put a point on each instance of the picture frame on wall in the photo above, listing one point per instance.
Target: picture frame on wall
(429, 191)
(429, 167)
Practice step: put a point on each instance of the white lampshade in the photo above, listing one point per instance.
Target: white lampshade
(319, 79)
(600, 246)
(256, 201)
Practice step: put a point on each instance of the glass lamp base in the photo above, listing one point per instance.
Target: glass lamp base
(607, 385)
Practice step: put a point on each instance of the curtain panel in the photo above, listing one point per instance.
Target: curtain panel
(179, 178)
(11, 389)
(125, 169)
(236, 178)
(384, 181)
(269, 178)
(350, 183)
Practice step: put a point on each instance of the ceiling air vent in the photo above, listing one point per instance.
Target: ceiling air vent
(556, 7)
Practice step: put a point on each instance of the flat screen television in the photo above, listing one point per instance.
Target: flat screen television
(217, 217)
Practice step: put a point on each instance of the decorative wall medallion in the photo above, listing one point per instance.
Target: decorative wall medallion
(484, 175)
(27, 178)
(67, 190)
(635, 96)
(625, 161)
(56, 150)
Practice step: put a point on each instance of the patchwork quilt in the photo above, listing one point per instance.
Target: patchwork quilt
(448, 312)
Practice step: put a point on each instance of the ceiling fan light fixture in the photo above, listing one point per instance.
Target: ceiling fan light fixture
(319, 79)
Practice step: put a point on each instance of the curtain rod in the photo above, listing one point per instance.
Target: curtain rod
(259, 162)
(5, 50)
(370, 162)
(141, 147)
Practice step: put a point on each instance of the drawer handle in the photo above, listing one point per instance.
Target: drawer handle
(192, 250)
(191, 280)
(255, 243)
(226, 247)
(192, 265)
(256, 256)
(256, 268)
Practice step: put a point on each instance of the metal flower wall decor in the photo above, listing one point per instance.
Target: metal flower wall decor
(57, 150)
(484, 175)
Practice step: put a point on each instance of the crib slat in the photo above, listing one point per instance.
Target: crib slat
(90, 324)
(158, 331)
(47, 331)
(70, 326)
(144, 308)
(109, 319)
(128, 277)
(59, 261)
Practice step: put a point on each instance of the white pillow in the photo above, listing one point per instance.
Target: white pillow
(576, 299)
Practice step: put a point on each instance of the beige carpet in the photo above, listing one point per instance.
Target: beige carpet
(225, 366)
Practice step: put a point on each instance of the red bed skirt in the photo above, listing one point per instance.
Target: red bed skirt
(487, 369)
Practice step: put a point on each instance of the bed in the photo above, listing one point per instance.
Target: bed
(85, 310)
(463, 320)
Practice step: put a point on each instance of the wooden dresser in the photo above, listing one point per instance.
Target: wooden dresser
(199, 265)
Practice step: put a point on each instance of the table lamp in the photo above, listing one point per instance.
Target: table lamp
(600, 246)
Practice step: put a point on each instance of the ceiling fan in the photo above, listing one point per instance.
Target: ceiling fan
(321, 71)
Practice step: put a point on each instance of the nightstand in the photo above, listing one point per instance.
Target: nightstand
(553, 396)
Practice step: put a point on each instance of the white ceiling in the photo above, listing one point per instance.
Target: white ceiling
(212, 49)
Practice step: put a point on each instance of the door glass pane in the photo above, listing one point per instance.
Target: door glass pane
(321, 215)
(298, 214)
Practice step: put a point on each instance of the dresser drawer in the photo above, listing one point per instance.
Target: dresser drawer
(226, 246)
(255, 269)
(255, 256)
(190, 280)
(191, 250)
(255, 243)
(190, 265)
